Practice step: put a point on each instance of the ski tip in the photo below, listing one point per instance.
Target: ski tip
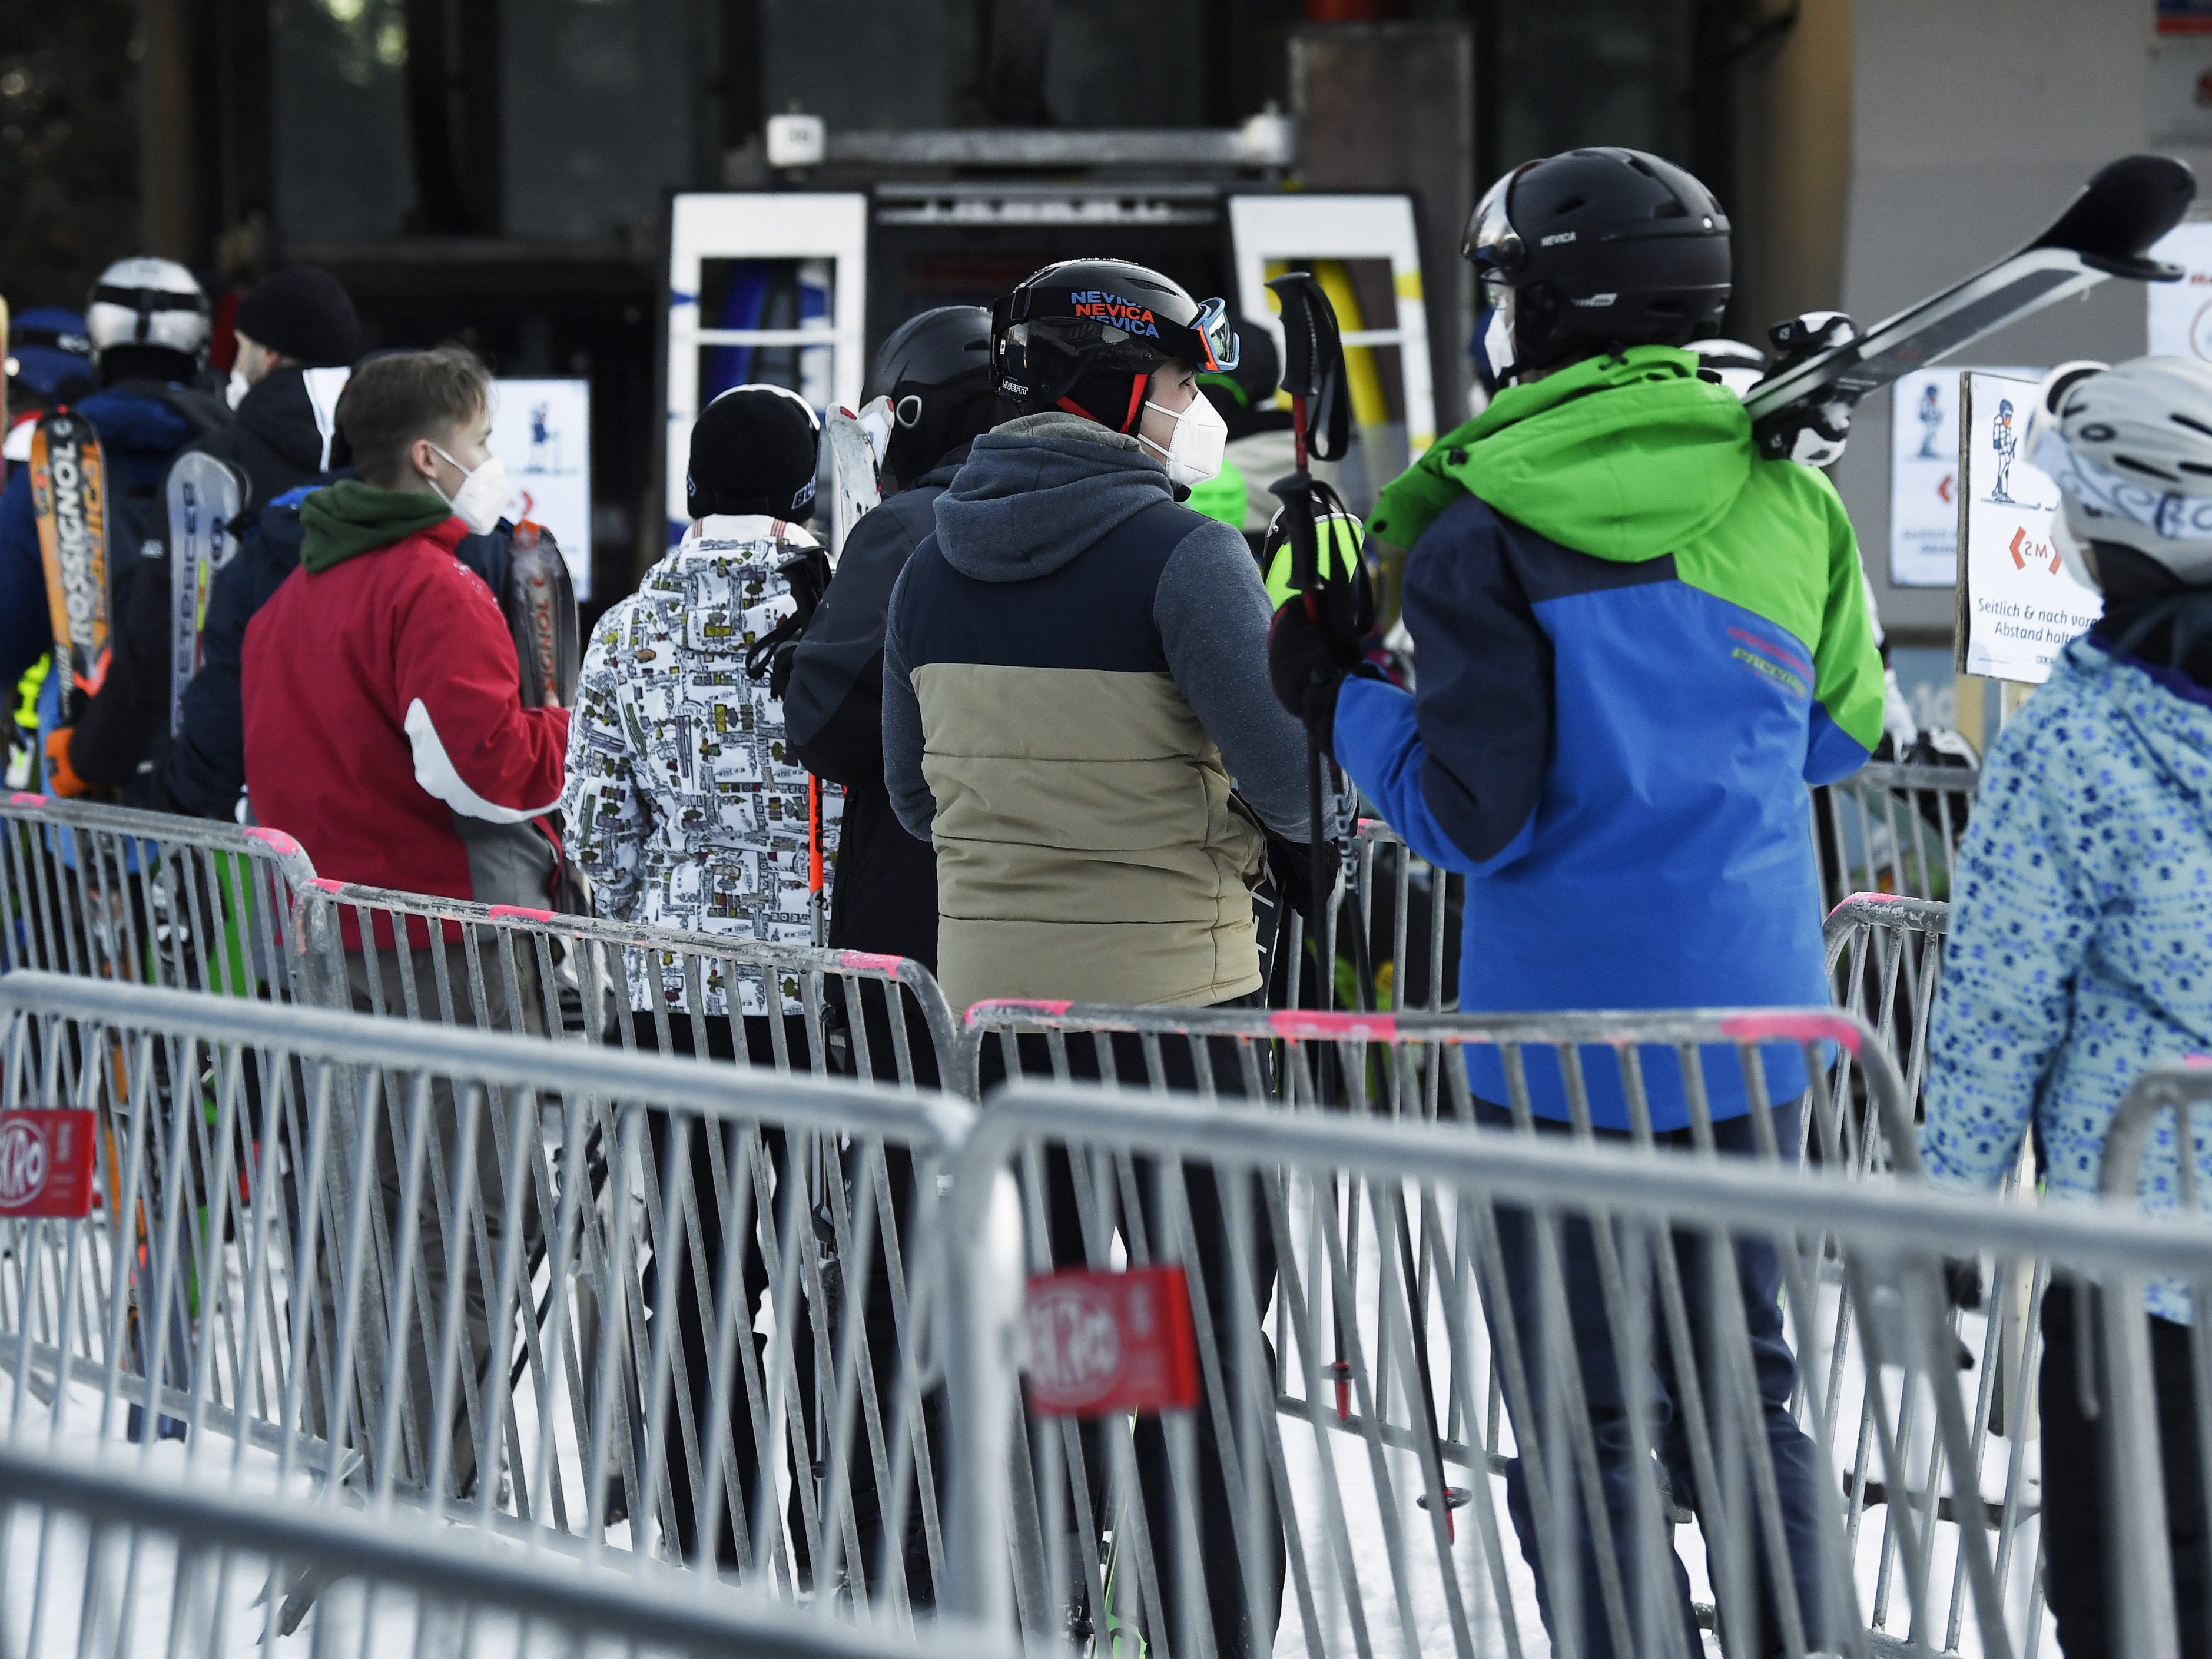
(2121, 212)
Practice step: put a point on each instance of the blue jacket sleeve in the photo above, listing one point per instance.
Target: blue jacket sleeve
(1457, 767)
(2022, 918)
(26, 632)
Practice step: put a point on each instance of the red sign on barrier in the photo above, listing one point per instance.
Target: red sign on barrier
(1102, 1342)
(46, 1163)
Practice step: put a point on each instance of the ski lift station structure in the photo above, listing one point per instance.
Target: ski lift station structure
(801, 284)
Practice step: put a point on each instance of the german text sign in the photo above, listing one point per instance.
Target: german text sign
(1102, 1342)
(45, 1164)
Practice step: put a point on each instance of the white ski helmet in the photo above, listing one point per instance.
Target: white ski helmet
(147, 302)
(2131, 450)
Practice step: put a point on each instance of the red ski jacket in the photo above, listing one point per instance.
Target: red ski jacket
(386, 733)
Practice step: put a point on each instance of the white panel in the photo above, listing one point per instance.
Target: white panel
(764, 225)
(1294, 226)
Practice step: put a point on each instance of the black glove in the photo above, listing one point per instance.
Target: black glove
(1291, 871)
(1307, 663)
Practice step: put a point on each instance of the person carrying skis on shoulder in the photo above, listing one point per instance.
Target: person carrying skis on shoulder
(1638, 643)
(2081, 934)
(936, 370)
(148, 323)
(297, 318)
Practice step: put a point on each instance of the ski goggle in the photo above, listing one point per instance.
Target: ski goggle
(1491, 245)
(1216, 338)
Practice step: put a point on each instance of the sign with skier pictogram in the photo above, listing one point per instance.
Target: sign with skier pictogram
(2017, 606)
(1923, 476)
(543, 430)
(1100, 1342)
(46, 1163)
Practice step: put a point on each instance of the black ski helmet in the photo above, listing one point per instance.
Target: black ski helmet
(1594, 248)
(934, 368)
(1086, 318)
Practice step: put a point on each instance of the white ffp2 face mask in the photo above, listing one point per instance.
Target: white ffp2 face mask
(1201, 438)
(482, 494)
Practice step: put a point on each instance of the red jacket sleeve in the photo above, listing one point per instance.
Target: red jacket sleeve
(476, 747)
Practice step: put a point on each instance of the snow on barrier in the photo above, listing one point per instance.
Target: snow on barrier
(1644, 1387)
(515, 1284)
(1892, 828)
(108, 1559)
(653, 988)
(111, 893)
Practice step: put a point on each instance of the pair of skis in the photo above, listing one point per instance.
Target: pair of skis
(205, 498)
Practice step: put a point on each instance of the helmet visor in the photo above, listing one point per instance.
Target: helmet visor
(1491, 245)
(1216, 338)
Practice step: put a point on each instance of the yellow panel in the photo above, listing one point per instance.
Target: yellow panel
(1408, 284)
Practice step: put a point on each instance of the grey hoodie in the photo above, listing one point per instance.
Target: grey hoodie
(1041, 489)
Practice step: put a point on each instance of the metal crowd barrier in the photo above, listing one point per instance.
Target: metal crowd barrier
(1584, 1272)
(1892, 828)
(517, 1285)
(1857, 1120)
(108, 892)
(610, 982)
(112, 1559)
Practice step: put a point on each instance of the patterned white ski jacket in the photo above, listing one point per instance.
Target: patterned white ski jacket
(682, 803)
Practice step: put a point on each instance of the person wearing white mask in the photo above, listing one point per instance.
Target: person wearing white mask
(385, 731)
(1076, 714)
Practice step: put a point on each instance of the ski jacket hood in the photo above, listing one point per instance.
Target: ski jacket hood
(1038, 491)
(1623, 456)
(138, 418)
(350, 517)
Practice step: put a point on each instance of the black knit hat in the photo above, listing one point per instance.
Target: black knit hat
(305, 313)
(754, 449)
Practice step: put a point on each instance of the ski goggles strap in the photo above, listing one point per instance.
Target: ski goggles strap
(2175, 517)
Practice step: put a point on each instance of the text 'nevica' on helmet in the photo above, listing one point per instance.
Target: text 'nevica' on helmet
(1595, 249)
(147, 304)
(1086, 318)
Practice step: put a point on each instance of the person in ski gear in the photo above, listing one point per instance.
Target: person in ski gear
(49, 364)
(385, 731)
(147, 322)
(2080, 942)
(2006, 443)
(384, 728)
(936, 370)
(688, 809)
(1638, 643)
(1075, 715)
(279, 438)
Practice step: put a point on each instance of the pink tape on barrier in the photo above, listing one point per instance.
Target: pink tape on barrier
(871, 961)
(1809, 1026)
(2199, 1062)
(327, 884)
(1014, 1005)
(517, 910)
(276, 839)
(1872, 898)
(21, 799)
(1343, 1026)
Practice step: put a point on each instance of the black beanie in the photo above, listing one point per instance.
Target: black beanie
(305, 313)
(754, 449)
